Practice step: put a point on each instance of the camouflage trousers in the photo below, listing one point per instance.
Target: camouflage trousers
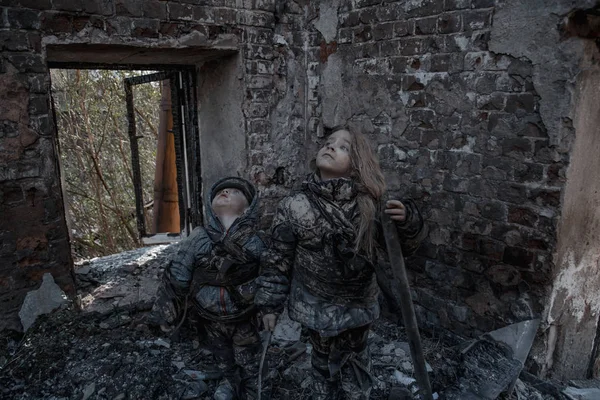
(341, 363)
(236, 347)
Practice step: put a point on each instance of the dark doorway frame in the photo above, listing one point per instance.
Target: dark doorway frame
(185, 128)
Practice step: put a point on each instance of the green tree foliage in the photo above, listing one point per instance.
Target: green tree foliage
(96, 157)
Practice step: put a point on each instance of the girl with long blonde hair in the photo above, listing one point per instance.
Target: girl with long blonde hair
(326, 239)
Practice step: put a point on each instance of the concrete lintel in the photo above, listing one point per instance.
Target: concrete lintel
(126, 54)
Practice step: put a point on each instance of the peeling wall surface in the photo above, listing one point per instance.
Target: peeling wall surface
(222, 134)
(459, 124)
(574, 306)
(468, 104)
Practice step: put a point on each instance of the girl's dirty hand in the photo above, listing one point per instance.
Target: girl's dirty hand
(269, 321)
(396, 210)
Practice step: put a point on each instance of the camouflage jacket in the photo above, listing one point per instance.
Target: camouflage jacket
(311, 258)
(216, 268)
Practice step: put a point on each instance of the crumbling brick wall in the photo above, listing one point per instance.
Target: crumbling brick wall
(467, 103)
(33, 235)
(480, 136)
(457, 127)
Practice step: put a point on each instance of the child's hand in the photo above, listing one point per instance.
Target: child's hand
(269, 321)
(396, 210)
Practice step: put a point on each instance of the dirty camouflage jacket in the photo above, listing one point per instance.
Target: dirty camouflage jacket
(215, 268)
(312, 258)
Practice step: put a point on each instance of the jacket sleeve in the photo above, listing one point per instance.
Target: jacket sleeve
(177, 277)
(277, 262)
(412, 231)
(191, 251)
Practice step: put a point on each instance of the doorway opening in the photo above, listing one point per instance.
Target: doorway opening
(129, 156)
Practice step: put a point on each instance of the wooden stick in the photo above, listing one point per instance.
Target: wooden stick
(392, 242)
(262, 362)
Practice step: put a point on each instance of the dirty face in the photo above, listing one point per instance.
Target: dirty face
(229, 201)
(333, 160)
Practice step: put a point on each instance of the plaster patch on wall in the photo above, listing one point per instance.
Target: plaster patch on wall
(574, 302)
(328, 20)
(528, 30)
(336, 107)
(404, 97)
(44, 300)
(425, 77)
(221, 121)
(574, 286)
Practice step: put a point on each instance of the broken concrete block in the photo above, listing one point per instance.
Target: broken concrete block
(83, 270)
(41, 301)
(582, 394)
(524, 392)
(487, 369)
(403, 379)
(88, 391)
(545, 387)
(584, 383)
(491, 365)
(178, 364)
(194, 390)
(407, 366)
(519, 337)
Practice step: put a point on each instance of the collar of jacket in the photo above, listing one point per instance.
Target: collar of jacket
(337, 189)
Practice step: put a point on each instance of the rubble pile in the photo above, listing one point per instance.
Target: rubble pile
(71, 355)
(101, 348)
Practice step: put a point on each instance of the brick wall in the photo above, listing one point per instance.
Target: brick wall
(456, 126)
(462, 129)
(33, 235)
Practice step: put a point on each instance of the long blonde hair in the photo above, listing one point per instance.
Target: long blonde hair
(368, 178)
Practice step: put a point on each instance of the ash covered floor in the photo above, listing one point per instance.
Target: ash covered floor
(107, 351)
